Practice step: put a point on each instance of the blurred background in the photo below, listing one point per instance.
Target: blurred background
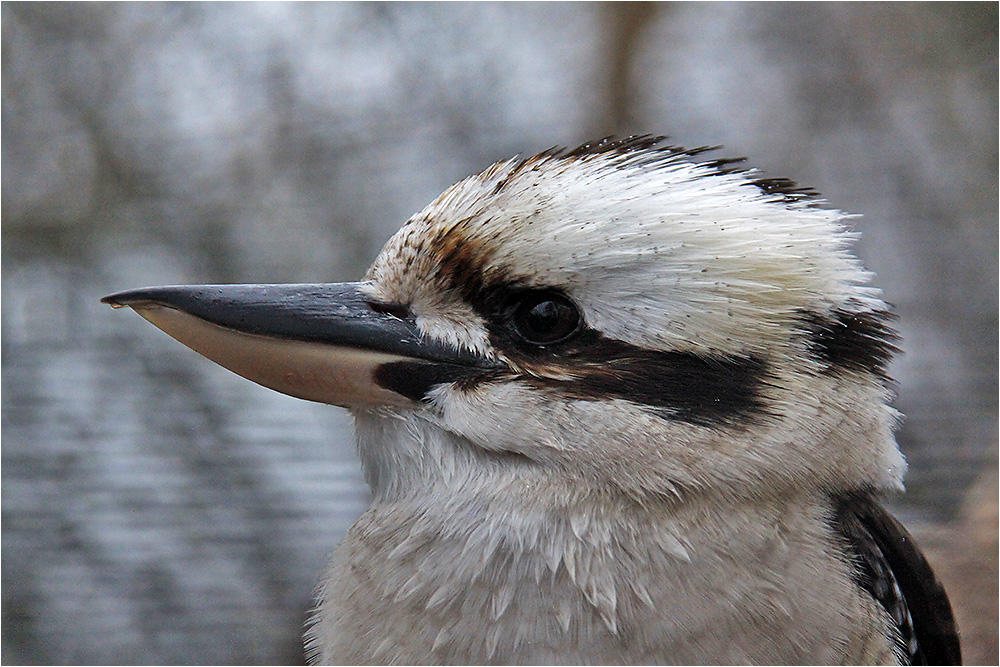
(158, 509)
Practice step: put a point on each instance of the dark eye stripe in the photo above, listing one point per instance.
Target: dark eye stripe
(723, 389)
(676, 385)
(707, 390)
(415, 379)
(858, 341)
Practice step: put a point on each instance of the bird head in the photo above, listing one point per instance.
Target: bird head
(624, 313)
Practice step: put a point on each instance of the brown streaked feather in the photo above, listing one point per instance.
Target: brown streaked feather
(891, 568)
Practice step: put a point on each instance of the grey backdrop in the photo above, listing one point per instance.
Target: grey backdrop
(157, 509)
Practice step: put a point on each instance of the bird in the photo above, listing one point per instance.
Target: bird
(624, 403)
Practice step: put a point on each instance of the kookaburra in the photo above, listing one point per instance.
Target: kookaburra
(616, 404)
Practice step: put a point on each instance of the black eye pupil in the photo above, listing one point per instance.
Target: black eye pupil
(543, 319)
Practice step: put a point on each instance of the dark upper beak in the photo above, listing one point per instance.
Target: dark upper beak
(326, 342)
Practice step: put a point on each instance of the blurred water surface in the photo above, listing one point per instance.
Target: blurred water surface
(158, 509)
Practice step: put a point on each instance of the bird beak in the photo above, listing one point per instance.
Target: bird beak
(327, 342)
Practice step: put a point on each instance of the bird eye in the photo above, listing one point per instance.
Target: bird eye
(544, 318)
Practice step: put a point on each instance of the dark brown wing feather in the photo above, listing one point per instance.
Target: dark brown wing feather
(891, 568)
